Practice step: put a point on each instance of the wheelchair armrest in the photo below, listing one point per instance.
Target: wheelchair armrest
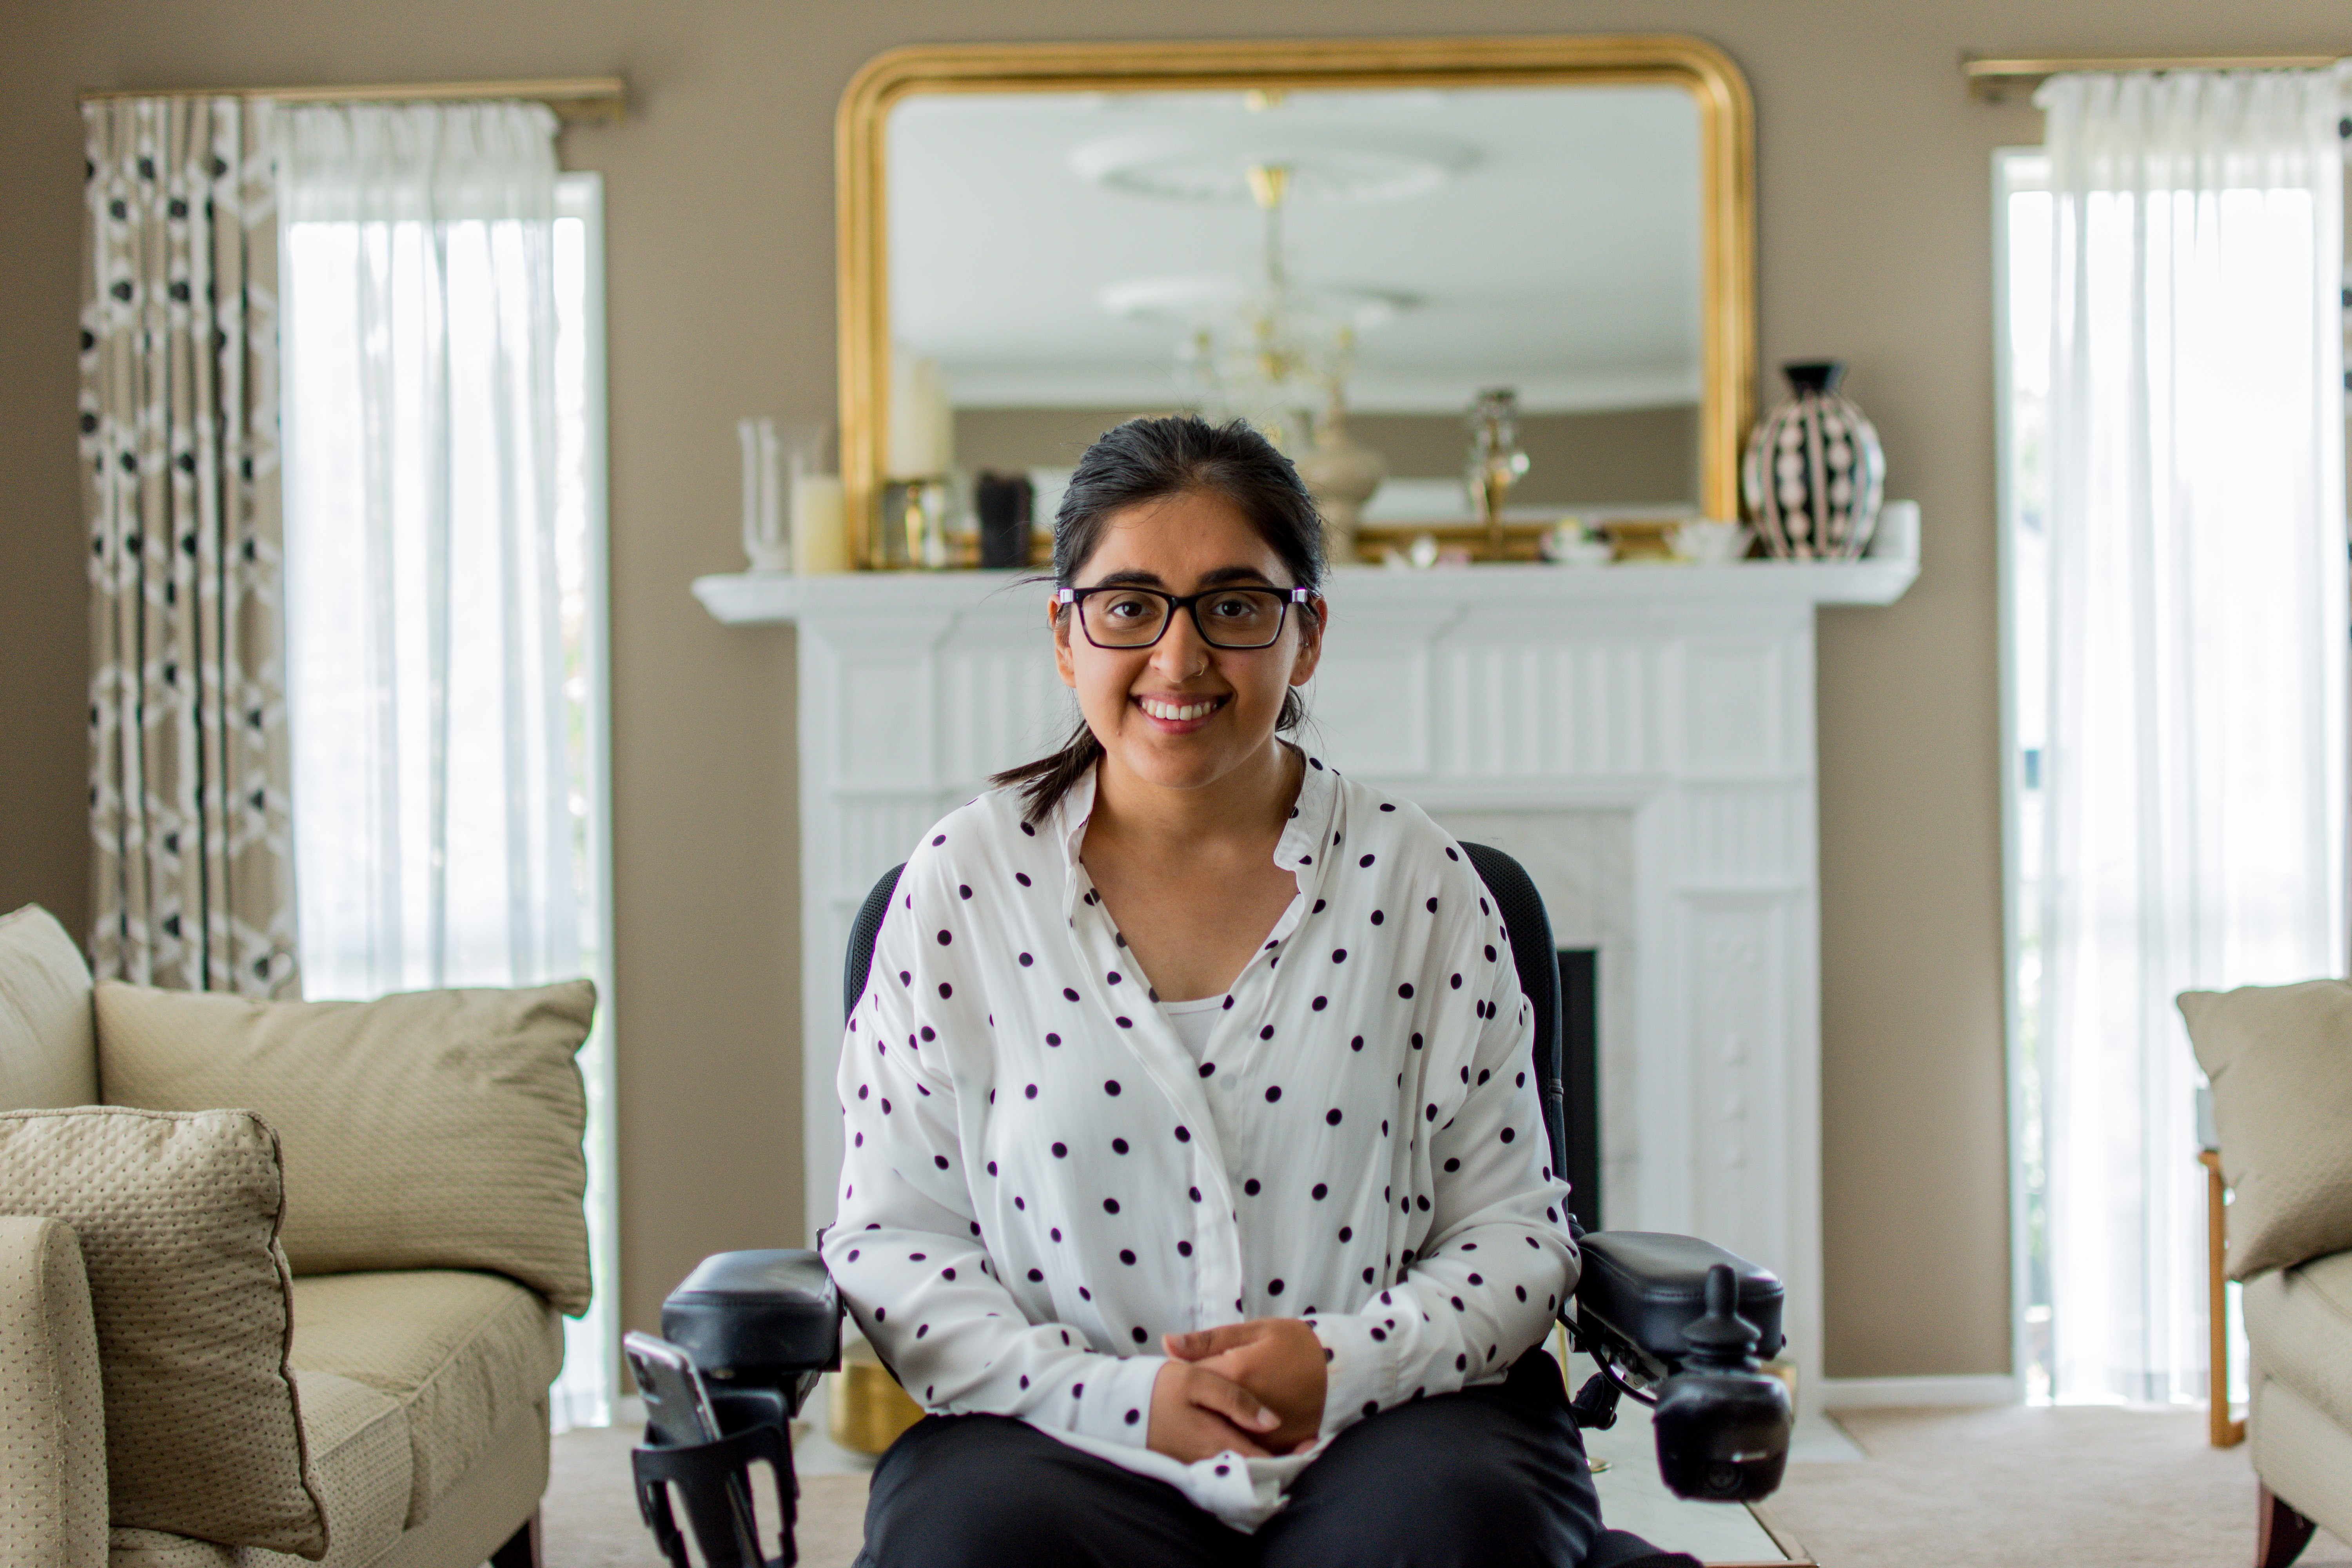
(1639, 1289)
(757, 1319)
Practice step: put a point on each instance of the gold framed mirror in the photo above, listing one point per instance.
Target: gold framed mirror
(969, 177)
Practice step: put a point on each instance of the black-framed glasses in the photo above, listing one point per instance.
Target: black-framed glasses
(1124, 616)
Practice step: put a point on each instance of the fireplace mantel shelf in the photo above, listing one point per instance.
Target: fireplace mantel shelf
(754, 598)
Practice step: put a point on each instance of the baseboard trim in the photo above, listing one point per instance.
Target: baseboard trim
(1888, 1393)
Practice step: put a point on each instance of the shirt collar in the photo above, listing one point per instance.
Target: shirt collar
(1310, 819)
(1309, 826)
(1076, 808)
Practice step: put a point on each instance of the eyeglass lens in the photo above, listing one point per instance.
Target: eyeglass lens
(1228, 618)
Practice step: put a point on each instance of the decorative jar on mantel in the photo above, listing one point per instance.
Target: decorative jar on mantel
(1814, 473)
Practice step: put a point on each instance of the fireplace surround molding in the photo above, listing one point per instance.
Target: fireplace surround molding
(1511, 699)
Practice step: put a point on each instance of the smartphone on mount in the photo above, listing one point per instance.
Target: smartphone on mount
(678, 1415)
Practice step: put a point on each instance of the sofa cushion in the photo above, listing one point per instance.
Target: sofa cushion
(177, 1216)
(359, 1444)
(431, 1130)
(48, 1054)
(2281, 1060)
(464, 1354)
(2299, 1324)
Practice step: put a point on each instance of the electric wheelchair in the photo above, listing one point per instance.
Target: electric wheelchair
(1674, 1322)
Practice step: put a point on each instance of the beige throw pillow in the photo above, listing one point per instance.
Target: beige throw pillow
(2281, 1060)
(177, 1217)
(431, 1130)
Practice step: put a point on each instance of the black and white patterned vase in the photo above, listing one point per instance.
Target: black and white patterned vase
(1814, 474)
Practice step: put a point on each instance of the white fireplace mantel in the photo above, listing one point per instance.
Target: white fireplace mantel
(1642, 738)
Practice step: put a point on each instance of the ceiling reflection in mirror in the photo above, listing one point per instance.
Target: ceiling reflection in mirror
(1364, 264)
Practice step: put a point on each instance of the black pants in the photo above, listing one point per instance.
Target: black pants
(1493, 1476)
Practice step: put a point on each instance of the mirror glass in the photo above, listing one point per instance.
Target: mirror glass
(1352, 269)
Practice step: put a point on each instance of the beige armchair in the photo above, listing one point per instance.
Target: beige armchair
(2280, 1058)
(279, 1282)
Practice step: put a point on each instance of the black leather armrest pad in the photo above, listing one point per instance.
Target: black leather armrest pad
(1646, 1286)
(747, 1314)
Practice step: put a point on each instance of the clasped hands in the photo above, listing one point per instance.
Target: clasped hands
(1255, 1388)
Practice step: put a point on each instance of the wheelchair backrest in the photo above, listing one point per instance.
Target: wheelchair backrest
(1516, 901)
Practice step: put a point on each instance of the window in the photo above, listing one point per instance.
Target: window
(2021, 227)
(446, 615)
(2174, 607)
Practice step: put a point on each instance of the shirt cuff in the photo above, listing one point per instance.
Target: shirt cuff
(1117, 1405)
(1358, 1375)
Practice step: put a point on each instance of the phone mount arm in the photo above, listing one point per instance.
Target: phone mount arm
(761, 1326)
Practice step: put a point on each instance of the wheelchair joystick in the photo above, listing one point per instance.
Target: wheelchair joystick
(1722, 1421)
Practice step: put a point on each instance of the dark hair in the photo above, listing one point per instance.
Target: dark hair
(1146, 460)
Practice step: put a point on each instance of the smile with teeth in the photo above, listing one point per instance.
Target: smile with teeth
(1161, 708)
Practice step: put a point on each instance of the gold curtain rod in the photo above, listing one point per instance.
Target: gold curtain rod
(573, 98)
(1993, 80)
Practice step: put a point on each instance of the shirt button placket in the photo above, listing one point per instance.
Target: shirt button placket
(1219, 1276)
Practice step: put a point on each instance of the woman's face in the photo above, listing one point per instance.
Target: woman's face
(1181, 714)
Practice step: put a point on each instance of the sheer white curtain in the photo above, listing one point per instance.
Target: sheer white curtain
(437, 757)
(432, 837)
(2197, 631)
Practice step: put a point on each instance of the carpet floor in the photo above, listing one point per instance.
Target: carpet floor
(2011, 1485)
(1940, 1489)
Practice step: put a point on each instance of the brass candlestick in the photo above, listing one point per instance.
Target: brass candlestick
(1496, 461)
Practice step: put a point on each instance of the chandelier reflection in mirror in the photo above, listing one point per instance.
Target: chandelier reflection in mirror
(1272, 348)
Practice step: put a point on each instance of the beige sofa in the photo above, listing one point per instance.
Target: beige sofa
(319, 1325)
(2280, 1058)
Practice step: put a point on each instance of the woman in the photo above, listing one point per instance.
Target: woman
(1195, 1182)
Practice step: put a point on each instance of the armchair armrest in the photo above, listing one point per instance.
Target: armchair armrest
(53, 1511)
(1640, 1289)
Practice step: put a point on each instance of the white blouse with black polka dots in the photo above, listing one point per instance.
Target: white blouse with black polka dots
(1040, 1178)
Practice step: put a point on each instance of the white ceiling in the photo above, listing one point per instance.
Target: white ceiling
(1559, 254)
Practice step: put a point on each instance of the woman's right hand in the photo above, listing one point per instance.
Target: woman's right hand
(1196, 1415)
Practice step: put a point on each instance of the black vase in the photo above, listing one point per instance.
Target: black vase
(1814, 474)
(1003, 502)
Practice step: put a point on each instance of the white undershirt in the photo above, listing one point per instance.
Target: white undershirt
(1195, 1021)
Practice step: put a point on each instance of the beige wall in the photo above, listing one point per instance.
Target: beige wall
(1011, 439)
(1626, 457)
(1623, 458)
(1874, 245)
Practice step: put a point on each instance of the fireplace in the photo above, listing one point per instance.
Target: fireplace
(1640, 738)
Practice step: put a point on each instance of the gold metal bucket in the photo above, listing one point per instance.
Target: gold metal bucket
(868, 1407)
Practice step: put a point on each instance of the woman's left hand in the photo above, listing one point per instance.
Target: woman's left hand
(1277, 1359)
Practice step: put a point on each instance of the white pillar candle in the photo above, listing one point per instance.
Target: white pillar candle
(920, 432)
(820, 531)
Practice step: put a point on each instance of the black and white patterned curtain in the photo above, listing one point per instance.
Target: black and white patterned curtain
(189, 761)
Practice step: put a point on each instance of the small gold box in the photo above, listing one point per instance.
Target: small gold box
(1641, 538)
